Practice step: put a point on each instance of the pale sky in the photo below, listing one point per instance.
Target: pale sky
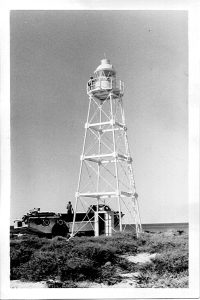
(53, 53)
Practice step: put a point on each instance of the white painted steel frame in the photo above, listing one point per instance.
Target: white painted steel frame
(98, 130)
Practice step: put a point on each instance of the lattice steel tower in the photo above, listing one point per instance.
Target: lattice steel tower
(106, 179)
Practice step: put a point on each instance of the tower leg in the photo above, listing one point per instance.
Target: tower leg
(116, 168)
(96, 223)
(80, 171)
(138, 226)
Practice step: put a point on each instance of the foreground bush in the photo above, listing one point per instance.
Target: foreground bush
(101, 259)
(21, 252)
(38, 268)
(167, 280)
(71, 260)
(157, 243)
(169, 269)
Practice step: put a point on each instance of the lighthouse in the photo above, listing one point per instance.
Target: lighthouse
(106, 188)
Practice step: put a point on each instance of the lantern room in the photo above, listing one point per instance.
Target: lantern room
(104, 82)
(105, 69)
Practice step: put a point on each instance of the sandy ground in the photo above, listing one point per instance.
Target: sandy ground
(128, 279)
(140, 258)
(27, 284)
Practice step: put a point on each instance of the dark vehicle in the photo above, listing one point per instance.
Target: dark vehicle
(60, 224)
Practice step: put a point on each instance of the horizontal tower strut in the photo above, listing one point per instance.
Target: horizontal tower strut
(103, 195)
(111, 122)
(99, 157)
(106, 130)
(90, 125)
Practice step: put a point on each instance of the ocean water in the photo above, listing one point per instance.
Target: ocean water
(161, 227)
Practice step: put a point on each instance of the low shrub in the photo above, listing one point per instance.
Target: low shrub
(125, 265)
(169, 269)
(108, 275)
(99, 259)
(173, 262)
(125, 246)
(78, 269)
(157, 243)
(167, 280)
(96, 252)
(21, 252)
(34, 242)
(39, 267)
(20, 256)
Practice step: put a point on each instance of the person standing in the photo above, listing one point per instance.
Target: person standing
(69, 207)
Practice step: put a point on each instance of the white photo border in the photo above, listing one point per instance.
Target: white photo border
(193, 8)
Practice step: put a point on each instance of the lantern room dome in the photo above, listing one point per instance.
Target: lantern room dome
(105, 82)
(105, 66)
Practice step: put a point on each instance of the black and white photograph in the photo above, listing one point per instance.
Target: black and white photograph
(100, 153)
